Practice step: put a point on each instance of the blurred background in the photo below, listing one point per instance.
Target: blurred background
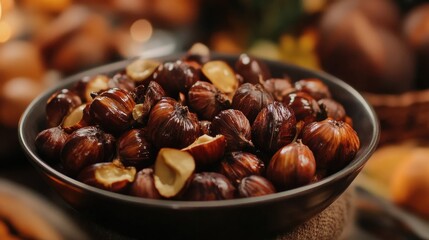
(380, 47)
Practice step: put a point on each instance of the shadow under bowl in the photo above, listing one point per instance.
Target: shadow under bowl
(259, 216)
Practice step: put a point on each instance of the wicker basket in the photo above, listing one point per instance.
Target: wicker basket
(402, 116)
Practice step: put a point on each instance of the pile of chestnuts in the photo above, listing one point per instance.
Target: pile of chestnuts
(196, 129)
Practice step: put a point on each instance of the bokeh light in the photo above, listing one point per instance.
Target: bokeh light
(141, 30)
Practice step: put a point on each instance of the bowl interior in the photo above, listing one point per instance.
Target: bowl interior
(364, 119)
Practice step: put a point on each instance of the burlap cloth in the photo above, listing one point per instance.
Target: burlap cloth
(335, 222)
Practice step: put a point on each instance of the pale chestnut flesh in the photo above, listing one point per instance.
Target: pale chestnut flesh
(197, 128)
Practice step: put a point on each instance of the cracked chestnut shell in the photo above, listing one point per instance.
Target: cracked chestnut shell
(91, 84)
(237, 165)
(175, 77)
(59, 105)
(334, 143)
(110, 176)
(304, 106)
(86, 146)
(146, 98)
(134, 149)
(251, 99)
(314, 87)
(254, 186)
(172, 125)
(49, 143)
(206, 100)
(252, 69)
(144, 185)
(208, 186)
(291, 166)
(235, 127)
(112, 110)
(274, 127)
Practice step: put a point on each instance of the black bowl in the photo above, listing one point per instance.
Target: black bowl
(258, 216)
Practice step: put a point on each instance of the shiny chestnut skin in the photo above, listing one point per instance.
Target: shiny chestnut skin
(291, 166)
(144, 186)
(251, 99)
(254, 186)
(252, 69)
(86, 146)
(175, 77)
(304, 106)
(134, 149)
(49, 143)
(122, 81)
(274, 127)
(59, 105)
(172, 125)
(237, 165)
(146, 97)
(278, 87)
(235, 127)
(332, 108)
(110, 176)
(314, 87)
(334, 143)
(208, 186)
(206, 100)
(112, 110)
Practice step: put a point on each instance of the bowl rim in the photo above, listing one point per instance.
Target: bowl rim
(356, 164)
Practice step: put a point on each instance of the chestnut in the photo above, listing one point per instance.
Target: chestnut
(292, 166)
(112, 110)
(274, 127)
(251, 99)
(122, 81)
(144, 185)
(334, 143)
(251, 69)
(304, 106)
(254, 186)
(49, 143)
(206, 100)
(91, 84)
(208, 186)
(314, 87)
(77, 118)
(221, 75)
(146, 98)
(134, 149)
(172, 170)
(175, 77)
(59, 105)
(332, 108)
(172, 125)
(278, 87)
(235, 127)
(207, 150)
(110, 176)
(141, 70)
(86, 146)
(237, 165)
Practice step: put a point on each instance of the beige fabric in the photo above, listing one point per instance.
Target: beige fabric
(332, 223)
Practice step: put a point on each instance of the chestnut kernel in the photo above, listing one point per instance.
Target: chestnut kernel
(221, 75)
(91, 84)
(141, 70)
(78, 118)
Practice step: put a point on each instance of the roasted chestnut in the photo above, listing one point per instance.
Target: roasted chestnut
(172, 125)
(334, 143)
(207, 150)
(206, 100)
(144, 185)
(122, 81)
(146, 98)
(77, 118)
(251, 69)
(49, 143)
(251, 99)
(332, 108)
(274, 127)
(292, 166)
(110, 176)
(221, 75)
(208, 186)
(254, 186)
(91, 84)
(112, 110)
(304, 106)
(86, 146)
(59, 105)
(141, 70)
(175, 77)
(134, 149)
(314, 87)
(237, 165)
(235, 127)
(278, 87)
